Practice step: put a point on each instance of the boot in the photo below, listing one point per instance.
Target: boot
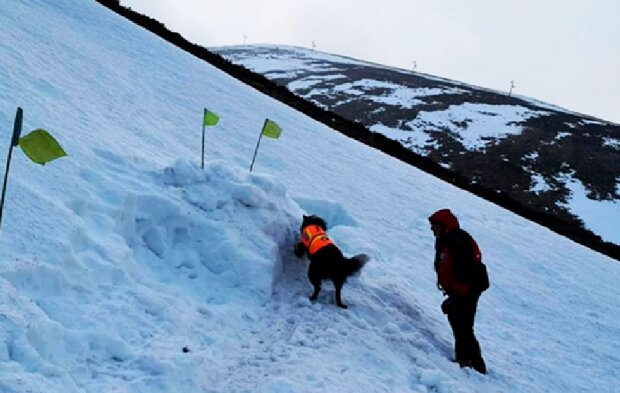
(479, 365)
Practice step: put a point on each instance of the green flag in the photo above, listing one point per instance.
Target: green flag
(271, 129)
(41, 147)
(211, 118)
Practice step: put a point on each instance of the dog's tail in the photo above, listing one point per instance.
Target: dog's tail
(355, 265)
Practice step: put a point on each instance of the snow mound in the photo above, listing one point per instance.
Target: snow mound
(192, 248)
(216, 230)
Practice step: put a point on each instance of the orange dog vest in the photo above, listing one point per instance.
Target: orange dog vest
(313, 237)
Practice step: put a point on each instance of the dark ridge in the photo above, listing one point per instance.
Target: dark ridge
(362, 134)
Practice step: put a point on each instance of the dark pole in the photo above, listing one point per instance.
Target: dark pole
(17, 130)
(202, 156)
(257, 144)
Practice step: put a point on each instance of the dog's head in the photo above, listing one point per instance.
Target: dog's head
(313, 220)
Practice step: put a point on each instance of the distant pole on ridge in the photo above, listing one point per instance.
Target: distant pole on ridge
(512, 85)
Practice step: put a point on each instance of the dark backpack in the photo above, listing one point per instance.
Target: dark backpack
(480, 276)
(470, 269)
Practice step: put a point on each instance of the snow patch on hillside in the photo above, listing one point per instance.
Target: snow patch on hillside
(595, 214)
(476, 125)
(305, 83)
(289, 57)
(539, 184)
(612, 142)
(415, 140)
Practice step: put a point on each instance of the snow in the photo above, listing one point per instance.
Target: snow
(595, 214)
(533, 156)
(561, 135)
(287, 64)
(290, 57)
(403, 96)
(302, 84)
(485, 123)
(305, 83)
(539, 184)
(415, 140)
(116, 258)
(284, 74)
(593, 121)
(614, 143)
(291, 62)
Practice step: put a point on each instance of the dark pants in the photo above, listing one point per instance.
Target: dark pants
(466, 347)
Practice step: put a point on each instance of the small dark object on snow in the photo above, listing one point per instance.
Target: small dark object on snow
(185, 349)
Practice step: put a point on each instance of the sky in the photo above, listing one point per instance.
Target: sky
(126, 267)
(565, 53)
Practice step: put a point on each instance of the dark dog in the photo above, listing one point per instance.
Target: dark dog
(326, 260)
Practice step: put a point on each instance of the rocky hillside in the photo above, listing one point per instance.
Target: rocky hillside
(550, 159)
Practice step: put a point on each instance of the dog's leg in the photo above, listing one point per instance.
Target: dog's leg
(317, 289)
(339, 303)
(315, 279)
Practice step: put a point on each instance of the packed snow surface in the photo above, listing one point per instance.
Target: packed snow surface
(125, 267)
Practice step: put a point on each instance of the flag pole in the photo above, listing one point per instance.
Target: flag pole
(202, 156)
(257, 144)
(17, 130)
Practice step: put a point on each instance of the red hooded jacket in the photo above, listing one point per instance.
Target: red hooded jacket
(456, 252)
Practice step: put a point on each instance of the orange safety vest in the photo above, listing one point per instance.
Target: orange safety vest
(313, 237)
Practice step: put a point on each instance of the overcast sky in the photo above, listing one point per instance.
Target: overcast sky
(563, 52)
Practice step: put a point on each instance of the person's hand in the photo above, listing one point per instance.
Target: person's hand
(448, 305)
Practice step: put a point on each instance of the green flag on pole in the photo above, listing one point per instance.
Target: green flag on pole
(38, 145)
(271, 129)
(210, 118)
(41, 147)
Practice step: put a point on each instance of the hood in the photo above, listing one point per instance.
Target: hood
(446, 219)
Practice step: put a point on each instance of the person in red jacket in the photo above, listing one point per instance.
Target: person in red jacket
(461, 276)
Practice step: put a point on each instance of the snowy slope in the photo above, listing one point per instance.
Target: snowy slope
(547, 158)
(114, 259)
